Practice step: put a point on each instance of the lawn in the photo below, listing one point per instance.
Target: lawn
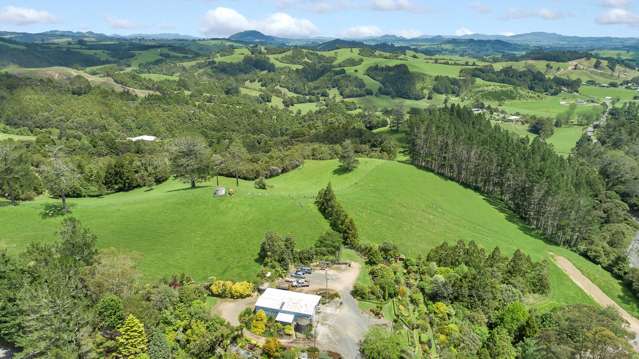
(181, 230)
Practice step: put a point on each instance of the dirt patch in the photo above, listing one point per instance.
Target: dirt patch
(230, 309)
(599, 296)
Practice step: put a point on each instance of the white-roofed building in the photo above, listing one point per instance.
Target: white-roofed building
(146, 138)
(287, 306)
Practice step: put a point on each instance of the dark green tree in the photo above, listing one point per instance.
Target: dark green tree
(190, 159)
(17, 178)
(347, 159)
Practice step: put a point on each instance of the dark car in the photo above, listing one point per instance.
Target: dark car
(305, 270)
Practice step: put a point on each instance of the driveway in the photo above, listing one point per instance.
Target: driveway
(599, 296)
(230, 309)
(341, 324)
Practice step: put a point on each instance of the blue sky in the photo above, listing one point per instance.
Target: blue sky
(343, 18)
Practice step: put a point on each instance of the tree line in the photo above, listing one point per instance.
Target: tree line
(564, 199)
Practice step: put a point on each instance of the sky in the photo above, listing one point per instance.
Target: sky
(333, 18)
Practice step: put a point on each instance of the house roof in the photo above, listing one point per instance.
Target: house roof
(288, 301)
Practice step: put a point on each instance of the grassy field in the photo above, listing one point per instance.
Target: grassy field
(181, 230)
(548, 106)
(6, 136)
(563, 140)
(600, 93)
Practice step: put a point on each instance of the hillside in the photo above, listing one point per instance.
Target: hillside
(389, 201)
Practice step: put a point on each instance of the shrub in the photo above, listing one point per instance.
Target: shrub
(221, 288)
(241, 290)
(258, 325)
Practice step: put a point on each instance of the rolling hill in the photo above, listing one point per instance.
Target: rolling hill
(205, 236)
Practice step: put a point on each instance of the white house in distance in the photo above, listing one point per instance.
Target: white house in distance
(146, 138)
(287, 306)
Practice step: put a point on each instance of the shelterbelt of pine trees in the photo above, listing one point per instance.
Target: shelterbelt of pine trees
(565, 199)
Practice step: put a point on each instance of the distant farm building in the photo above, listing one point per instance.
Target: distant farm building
(287, 306)
(145, 138)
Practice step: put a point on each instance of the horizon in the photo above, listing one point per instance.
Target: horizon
(345, 19)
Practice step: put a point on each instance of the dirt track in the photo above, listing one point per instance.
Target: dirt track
(599, 296)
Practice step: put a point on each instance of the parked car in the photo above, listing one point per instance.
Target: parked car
(300, 284)
(298, 275)
(306, 270)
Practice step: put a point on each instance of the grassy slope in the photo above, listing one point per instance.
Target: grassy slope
(564, 139)
(188, 230)
(6, 136)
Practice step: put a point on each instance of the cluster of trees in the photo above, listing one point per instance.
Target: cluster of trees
(555, 55)
(564, 199)
(461, 301)
(340, 221)
(616, 158)
(278, 254)
(397, 81)
(530, 79)
(446, 85)
(67, 300)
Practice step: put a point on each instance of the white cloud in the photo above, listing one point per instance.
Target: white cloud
(24, 16)
(408, 33)
(283, 24)
(393, 5)
(357, 32)
(619, 4)
(618, 17)
(480, 7)
(508, 33)
(317, 6)
(223, 21)
(121, 24)
(463, 31)
(546, 14)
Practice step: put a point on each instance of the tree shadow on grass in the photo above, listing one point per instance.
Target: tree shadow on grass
(189, 188)
(340, 171)
(4, 203)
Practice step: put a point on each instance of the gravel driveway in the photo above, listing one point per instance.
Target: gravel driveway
(341, 325)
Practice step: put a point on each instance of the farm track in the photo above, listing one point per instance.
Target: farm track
(599, 296)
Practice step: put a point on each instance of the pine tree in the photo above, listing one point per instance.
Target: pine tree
(132, 339)
(158, 346)
(347, 159)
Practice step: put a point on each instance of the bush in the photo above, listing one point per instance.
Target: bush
(228, 289)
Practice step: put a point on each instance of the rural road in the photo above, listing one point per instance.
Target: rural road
(599, 296)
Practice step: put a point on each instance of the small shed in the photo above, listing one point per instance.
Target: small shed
(219, 192)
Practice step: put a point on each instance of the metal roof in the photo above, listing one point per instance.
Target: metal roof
(288, 301)
(285, 318)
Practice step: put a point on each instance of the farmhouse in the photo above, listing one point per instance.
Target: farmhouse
(287, 306)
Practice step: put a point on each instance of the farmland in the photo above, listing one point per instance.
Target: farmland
(205, 236)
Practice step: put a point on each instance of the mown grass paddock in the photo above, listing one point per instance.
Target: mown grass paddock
(176, 229)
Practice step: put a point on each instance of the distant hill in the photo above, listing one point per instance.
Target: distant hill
(255, 36)
(162, 36)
